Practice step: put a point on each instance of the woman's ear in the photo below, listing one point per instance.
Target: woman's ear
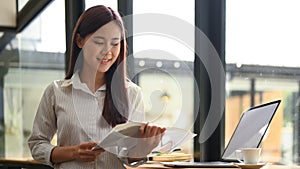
(79, 41)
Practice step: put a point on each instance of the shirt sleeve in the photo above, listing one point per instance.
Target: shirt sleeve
(123, 156)
(136, 104)
(44, 128)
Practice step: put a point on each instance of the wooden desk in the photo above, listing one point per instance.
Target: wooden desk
(19, 163)
(158, 166)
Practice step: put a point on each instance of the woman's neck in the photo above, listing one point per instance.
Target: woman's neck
(93, 82)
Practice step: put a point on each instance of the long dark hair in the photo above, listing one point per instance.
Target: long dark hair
(115, 110)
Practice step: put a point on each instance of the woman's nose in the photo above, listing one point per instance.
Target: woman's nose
(106, 49)
(108, 53)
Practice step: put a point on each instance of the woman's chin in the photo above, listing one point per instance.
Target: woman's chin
(102, 70)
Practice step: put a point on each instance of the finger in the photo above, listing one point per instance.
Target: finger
(143, 128)
(163, 129)
(87, 145)
(155, 131)
(99, 151)
(87, 154)
(88, 158)
(148, 131)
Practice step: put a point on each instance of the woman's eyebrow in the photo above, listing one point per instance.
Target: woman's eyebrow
(98, 37)
(101, 37)
(116, 39)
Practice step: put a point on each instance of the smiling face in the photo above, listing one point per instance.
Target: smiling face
(100, 49)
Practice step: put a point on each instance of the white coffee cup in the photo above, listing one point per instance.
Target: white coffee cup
(250, 155)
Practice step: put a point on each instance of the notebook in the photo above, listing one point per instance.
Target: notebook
(249, 133)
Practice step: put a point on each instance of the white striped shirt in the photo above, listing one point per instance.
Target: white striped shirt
(71, 110)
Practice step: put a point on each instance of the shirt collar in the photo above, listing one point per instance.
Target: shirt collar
(66, 83)
(77, 84)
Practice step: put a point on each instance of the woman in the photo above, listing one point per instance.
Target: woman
(94, 97)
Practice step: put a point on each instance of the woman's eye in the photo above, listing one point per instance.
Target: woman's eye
(99, 43)
(115, 44)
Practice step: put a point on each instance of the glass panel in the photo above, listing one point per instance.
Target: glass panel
(261, 49)
(163, 43)
(34, 59)
(109, 3)
(21, 4)
(46, 32)
(161, 40)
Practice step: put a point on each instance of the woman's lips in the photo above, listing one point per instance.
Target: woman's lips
(104, 61)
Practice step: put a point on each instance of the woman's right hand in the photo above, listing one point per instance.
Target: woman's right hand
(84, 152)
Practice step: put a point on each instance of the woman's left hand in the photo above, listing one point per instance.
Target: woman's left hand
(150, 136)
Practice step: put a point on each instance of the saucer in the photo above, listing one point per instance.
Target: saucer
(250, 166)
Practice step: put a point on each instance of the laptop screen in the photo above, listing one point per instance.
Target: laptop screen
(251, 129)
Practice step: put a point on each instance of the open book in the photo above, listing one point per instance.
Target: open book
(125, 135)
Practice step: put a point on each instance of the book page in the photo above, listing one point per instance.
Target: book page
(173, 138)
(126, 136)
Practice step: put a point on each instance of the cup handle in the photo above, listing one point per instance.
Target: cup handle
(237, 156)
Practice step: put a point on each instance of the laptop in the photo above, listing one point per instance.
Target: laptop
(249, 133)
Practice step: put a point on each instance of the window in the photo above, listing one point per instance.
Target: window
(164, 61)
(261, 49)
(110, 3)
(33, 60)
